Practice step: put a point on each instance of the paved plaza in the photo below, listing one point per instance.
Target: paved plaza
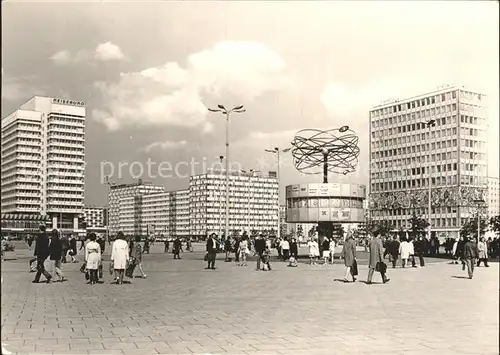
(183, 309)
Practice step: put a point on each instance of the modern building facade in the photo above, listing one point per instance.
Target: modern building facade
(165, 213)
(123, 213)
(43, 161)
(493, 200)
(200, 210)
(405, 151)
(96, 217)
(253, 202)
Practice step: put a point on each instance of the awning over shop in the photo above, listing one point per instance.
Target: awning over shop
(24, 217)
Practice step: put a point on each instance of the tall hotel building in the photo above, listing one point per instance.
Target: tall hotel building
(404, 150)
(43, 158)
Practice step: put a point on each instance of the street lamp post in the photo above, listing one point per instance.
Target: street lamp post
(430, 124)
(227, 113)
(250, 173)
(277, 151)
(479, 202)
(219, 192)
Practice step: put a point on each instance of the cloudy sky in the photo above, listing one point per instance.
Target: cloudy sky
(148, 72)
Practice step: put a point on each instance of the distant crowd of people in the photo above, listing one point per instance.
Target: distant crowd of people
(127, 253)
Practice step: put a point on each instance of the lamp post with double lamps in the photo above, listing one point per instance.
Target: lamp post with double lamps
(430, 124)
(277, 151)
(227, 114)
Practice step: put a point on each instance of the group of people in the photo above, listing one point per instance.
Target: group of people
(124, 256)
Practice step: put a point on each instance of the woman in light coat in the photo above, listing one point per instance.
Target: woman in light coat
(313, 247)
(483, 252)
(332, 250)
(405, 249)
(243, 251)
(119, 257)
(93, 258)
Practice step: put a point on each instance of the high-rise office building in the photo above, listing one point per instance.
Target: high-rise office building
(493, 200)
(253, 202)
(125, 213)
(441, 133)
(43, 160)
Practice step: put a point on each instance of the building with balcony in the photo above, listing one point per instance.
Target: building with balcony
(43, 159)
(493, 200)
(124, 205)
(95, 217)
(439, 136)
(253, 202)
(143, 209)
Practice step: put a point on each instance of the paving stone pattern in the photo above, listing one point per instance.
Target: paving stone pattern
(183, 309)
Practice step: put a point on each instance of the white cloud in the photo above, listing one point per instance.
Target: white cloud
(165, 145)
(104, 52)
(170, 95)
(108, 51)
(62, 58)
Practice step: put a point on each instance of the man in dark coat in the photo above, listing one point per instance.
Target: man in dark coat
(294, 249)
(376, 260)
(470, 255)
(349, 256)
(420, 247)
(65, 248)
(72, 247)
(177, 248)
(392, 249)
(260, 248)
(211, 251)
(41, 253)
(56, 252)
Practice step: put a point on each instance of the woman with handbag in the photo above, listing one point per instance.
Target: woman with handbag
(93, 258)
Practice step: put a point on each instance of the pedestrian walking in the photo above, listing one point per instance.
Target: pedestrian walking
(177, 248)
(243, 252)
(260, 248)
(325, 247)
(285, 249)
(166, 246)
(72, 247)
(349, 256)
(30, 241)
(376, 262)
(93, 258)
(392, 250)
(65, 248)
(332, 250)
(42, 252)
(470, 255)
(119, 257)
(56, 254)
(137, 258)
(294, 249)
(404, 251)
(312, 246)
(211, 249)
(482, 249)
(227, 249)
